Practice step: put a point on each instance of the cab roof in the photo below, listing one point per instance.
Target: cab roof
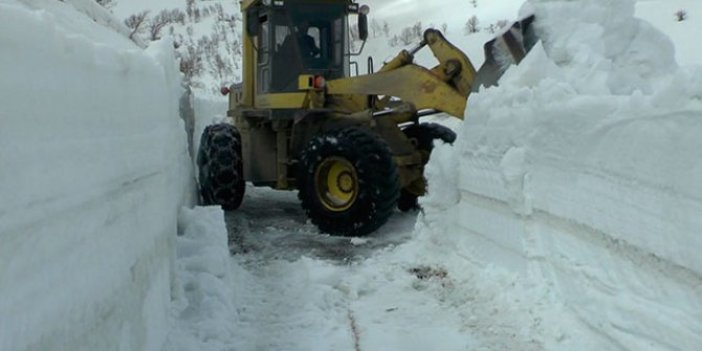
(245, 4)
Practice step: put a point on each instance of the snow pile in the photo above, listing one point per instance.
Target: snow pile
(206, 286)
(94, 166)
(580, 174)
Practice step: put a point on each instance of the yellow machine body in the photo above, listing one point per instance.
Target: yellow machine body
(275, 123)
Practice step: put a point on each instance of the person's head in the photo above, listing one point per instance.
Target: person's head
(303, 27)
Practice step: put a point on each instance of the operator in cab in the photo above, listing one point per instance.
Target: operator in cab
(305, 42)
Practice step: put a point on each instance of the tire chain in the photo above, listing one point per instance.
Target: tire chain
(224, 165)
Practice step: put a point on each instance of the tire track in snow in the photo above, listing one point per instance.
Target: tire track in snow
(292, 295)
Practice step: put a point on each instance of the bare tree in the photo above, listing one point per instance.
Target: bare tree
(492, 28)
(137, 23)
(472, 25)
(407, 36)
(190, 63)
(681, 15)
(190, 7)
(444, 28)
(417, 30)
(197, 14)
(163, 19)
(394, 41)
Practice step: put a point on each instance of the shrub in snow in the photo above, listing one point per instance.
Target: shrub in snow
(190, 8)
(406, 36)
(492, 28)
(472, 25)
(394, 41)
(417, 30)
(497, 26)
(108, 4)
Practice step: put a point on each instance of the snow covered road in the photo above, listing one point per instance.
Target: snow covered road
(272, 224)
(297, 289)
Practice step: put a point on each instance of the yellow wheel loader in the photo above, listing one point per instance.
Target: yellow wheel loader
(352, 145)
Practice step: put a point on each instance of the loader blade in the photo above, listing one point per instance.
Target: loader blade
(506, 49)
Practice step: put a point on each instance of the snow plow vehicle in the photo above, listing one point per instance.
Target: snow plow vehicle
(352, 145)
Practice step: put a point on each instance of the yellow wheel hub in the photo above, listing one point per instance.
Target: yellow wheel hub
(336, 184)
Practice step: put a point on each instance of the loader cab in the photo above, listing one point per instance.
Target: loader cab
(292, 38)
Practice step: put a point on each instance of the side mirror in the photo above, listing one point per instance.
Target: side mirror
(363, 22)
(362, 26)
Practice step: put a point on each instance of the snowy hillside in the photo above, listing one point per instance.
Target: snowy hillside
(206, 35)
(565, 217)
(93, 170)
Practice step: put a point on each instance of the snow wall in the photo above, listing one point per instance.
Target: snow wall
(580, 175)
(93, 169)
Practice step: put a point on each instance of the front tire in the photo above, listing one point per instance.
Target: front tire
(348, 182)
(220, 168)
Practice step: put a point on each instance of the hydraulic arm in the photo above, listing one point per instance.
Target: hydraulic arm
(443, 88)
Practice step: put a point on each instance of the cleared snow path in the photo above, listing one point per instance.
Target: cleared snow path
(296, 289)
(276, 227)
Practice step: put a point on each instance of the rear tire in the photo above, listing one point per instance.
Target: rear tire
(423, 136)
(220, 168)
(348, 182)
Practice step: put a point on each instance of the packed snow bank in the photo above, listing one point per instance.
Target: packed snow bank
(206, 288)
(94, 167)
(580, 173)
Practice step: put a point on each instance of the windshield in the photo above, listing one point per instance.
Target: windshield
(308, 39)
